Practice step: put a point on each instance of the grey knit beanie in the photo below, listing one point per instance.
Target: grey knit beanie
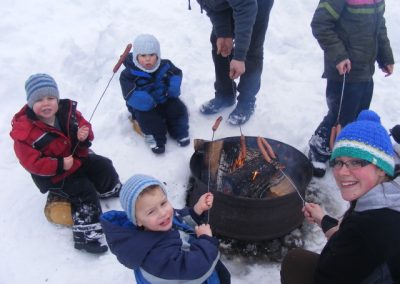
(146, 44)
(131, 190)
(38, 86)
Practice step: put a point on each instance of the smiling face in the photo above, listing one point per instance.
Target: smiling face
(356, 182)
(148, 61)
(46, 109)
(153, 210)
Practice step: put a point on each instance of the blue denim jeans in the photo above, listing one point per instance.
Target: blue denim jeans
(249, 83)
(356, 97)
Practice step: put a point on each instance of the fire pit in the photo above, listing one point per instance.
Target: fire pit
(253, 200)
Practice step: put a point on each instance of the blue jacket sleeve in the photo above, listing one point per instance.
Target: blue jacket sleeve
(141, 100)
(174, 89)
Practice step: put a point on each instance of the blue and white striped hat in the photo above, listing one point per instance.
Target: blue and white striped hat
(366, 139)
(131, 190)
(38, 86)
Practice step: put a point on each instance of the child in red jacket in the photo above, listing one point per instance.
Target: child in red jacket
(51, 141)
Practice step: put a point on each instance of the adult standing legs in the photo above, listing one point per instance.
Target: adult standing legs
(356, 97)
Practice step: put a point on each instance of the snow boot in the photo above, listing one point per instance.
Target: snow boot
(216, 105)
(86, 237)
(114, 192)
(319, 169)
(184, 141)
(241, 114)
(156, 147)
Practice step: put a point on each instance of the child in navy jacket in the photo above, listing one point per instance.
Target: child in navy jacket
(162, 244)
(151, 87)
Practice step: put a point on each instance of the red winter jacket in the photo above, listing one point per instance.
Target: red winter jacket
(41, 148)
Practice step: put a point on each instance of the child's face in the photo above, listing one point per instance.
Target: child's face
(354, 183)
(147, 60)
(46, 108)
(153, 211)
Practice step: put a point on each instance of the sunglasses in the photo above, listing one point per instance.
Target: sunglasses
(353, 164)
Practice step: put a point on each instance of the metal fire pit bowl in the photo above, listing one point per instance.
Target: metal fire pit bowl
(252, 219)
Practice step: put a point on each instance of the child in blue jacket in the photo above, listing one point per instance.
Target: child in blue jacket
(151, 87)
(162, 244)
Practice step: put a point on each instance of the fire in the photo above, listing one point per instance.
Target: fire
(255, 174)
(239, 162)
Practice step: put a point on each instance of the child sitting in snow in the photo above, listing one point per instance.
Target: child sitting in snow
(162, 244)
(151, 87)
(51, 141)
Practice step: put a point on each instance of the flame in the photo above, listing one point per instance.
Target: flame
(239, 162)
(255, 174)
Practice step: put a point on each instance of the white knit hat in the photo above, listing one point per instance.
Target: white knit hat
(146, 44)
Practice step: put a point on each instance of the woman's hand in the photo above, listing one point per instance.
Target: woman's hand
(313, 213)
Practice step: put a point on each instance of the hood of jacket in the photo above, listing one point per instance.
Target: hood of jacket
(123, 238)
(384, 195)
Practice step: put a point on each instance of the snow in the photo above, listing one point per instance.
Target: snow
(79, 42)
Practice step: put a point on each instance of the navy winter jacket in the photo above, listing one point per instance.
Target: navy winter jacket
(233, 18)
(143, 91)
(176, 256)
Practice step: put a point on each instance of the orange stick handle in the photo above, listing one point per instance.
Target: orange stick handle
(122, 58)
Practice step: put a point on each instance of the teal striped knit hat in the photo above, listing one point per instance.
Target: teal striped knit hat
(131, 190)
(368, 140)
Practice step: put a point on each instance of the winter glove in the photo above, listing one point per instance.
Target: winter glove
(395, 131)
(174, 89)
(141, 101)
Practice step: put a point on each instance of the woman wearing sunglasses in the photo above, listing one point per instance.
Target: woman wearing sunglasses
(364, 247)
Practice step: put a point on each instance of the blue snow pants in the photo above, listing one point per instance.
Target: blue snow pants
(171, 116)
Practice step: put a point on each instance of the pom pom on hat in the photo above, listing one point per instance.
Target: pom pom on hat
(146, 44)
(131, 190)
(366, 139)
(39, 86)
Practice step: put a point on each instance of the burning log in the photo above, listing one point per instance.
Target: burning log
(252, 180)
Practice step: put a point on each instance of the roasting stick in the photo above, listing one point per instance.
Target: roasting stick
(337, 127)
(264, 146)
(214, 128)
(115, 69)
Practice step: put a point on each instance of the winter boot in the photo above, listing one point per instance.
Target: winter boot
(156, 148)
(114, 192)
(241, 114)
(318, 154)
(216, 105)
(184, 141)
(86, 237)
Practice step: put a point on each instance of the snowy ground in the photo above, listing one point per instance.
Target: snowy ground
(78, 43)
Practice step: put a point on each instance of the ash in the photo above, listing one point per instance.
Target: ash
(271, 250)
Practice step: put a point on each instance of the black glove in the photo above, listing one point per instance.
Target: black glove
(395, 131)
